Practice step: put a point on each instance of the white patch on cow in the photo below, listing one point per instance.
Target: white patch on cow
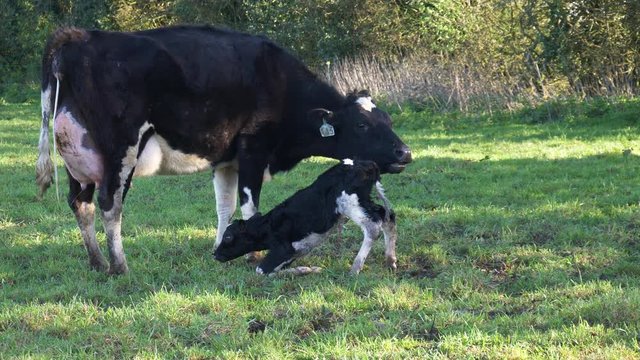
(248, 208)
(366, 103)
(131, 156)
(347, 162)
(225, 183)
(84, 162)
(150, 159)
(385, 201)
(158, 157)
(349, 206)
(308, 243)
(266, 176)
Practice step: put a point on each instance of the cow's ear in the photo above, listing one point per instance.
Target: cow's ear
(323, 120)
(320, 114)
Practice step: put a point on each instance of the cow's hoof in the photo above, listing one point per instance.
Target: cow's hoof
(118, 269)
(253, 257)
(99, 264)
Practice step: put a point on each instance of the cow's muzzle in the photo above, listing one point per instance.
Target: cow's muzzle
(403, 156)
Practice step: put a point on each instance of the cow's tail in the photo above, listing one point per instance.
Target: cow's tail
(52, 76)
(385, 202)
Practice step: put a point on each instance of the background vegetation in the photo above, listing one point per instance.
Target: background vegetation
(444, 54)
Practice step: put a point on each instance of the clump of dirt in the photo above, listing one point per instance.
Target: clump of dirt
(321, 321)
(494, 266)
(324, 320)
(430, 334)
(256, 326)
(419, 268)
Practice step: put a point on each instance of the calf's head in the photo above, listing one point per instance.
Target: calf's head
(359, 130)
(241, 237)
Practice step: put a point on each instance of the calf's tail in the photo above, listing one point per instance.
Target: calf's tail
(385, 202)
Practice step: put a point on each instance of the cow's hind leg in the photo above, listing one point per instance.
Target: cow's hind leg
(81, 202)
(112, 221)
(111, 200)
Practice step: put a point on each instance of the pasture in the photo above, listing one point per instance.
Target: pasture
(519, 237)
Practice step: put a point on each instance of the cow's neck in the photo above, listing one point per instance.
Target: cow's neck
(303, 139)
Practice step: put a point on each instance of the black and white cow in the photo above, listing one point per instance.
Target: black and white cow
(299, 224)
(184, 99)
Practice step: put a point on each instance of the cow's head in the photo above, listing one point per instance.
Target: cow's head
(359, 130)
(240, 237)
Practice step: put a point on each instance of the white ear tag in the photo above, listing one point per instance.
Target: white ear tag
(326, 129)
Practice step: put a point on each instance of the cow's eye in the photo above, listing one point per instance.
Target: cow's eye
(363, 126)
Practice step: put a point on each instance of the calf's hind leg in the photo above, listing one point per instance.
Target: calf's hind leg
(81, 203)
(390, 236)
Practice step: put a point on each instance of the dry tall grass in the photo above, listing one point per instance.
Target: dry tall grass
(443, 84)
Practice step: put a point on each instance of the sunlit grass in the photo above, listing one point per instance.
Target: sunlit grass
(518, 238)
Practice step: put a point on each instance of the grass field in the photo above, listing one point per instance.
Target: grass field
(519, 237)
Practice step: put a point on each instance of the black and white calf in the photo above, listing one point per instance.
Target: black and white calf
(300, 223)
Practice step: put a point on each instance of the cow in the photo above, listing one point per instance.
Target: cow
(183, 99)
(300, 223)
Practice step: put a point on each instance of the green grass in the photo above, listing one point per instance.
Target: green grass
(519, 237)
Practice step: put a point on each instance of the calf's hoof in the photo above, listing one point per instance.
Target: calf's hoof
(391, 264)
(118, 269)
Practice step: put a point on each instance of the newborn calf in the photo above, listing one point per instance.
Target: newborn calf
(293, 228)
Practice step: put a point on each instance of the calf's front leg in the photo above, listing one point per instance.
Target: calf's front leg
(371, 231)
(280, 255)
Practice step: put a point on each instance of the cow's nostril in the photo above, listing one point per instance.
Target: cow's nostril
(403, 154)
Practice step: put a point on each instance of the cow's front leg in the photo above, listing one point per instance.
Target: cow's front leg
(225, 183)
(251, 170)
(81, 203)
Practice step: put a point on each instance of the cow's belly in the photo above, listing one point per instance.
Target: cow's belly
(77, 149)
(158, 157)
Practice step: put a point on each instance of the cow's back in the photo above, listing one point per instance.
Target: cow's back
(212, 58)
